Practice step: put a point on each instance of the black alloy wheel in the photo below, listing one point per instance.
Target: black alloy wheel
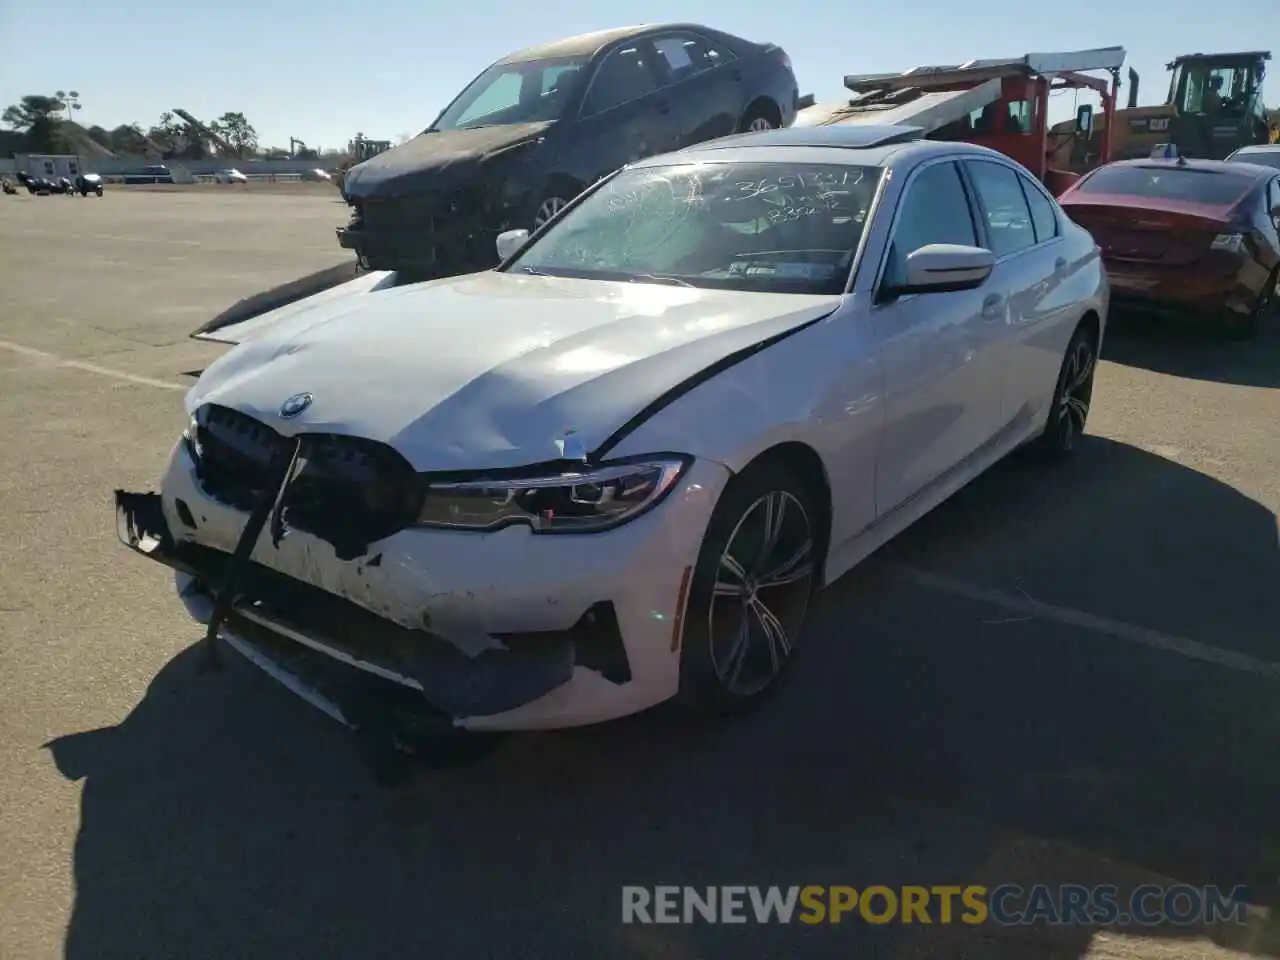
(750, 592)
(1069, 411)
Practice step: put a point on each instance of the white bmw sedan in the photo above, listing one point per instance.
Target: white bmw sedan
(614, 470)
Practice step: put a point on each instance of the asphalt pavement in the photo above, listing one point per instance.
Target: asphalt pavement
(1059, 676)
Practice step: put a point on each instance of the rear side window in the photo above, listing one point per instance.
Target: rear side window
(1185, 184)
(1043, 217)
(1004, 207)
(686, 55)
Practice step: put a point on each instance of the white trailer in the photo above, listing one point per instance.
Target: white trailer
(49, 166)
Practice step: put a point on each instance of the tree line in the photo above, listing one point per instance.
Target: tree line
(44, 124)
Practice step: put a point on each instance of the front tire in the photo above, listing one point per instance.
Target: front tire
(750, 592)
(554, 199)
(1069, 411)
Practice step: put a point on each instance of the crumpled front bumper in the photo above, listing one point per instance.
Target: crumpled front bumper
(575, 630)
(344, 659)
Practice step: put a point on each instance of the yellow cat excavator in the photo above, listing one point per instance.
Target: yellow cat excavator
(1214, 106)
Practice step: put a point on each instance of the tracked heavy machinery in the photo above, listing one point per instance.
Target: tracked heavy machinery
(1213, 107)
(1002, 104)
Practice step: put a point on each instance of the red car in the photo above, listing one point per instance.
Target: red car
(1195, 237)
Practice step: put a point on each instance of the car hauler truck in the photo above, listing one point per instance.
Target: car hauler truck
(1002, 104)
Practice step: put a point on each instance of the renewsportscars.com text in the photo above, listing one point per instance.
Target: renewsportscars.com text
(1005, 905)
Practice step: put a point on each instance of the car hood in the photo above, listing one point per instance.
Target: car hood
(489, 370)
(432, 160)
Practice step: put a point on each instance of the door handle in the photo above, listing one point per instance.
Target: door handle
(1060, 265)
(991, 306)
(664, 107)
(737, 74)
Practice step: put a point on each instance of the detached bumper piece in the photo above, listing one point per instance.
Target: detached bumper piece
(362, 669)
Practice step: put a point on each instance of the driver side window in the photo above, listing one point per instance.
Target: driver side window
(934, 210)
(623, 76)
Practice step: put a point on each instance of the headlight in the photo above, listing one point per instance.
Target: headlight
(582, 502)
(191, 437)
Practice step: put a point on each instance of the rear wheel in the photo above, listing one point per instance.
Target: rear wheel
(750, 591)
(1069, 410)
(759, 117)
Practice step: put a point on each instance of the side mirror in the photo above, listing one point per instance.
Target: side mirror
(945, 268)
(1084, 120)
(510, 241)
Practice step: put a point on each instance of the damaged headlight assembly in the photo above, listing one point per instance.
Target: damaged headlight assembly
(586, 501)
(191, 438)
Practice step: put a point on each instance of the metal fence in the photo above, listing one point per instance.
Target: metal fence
(142, 179)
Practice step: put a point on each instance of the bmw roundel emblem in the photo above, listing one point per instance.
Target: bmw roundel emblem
(295, 405)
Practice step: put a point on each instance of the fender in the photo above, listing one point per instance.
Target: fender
(668, 397)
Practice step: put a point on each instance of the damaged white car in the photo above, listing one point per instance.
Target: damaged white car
(614, 470)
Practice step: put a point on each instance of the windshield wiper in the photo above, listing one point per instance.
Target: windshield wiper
(652, 278)
(534, 271)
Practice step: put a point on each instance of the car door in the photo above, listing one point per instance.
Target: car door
(619, 121)
(1021, 227)
(941, 375)
(703, 84)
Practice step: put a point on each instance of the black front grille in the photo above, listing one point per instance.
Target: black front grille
(235, 453)
(350, 491)
(401, 213)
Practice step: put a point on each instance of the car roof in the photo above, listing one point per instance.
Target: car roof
(587, 44)
(1258, 148)
(855, 144)
(1210, 166)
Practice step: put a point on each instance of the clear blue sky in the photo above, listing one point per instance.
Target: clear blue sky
(321, 70)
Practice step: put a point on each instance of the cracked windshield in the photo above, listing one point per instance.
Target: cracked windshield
(768, 227)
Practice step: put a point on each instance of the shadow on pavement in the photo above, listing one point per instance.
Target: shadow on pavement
(1196, 352)
(925, 739)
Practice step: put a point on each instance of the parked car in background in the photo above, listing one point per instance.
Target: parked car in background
(614, 470)
(315, 176)
(1187, 237)
(230, 175)
(1262, 155)
(87, 183)
(46, 186)
(154, 173)
(537, 127)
